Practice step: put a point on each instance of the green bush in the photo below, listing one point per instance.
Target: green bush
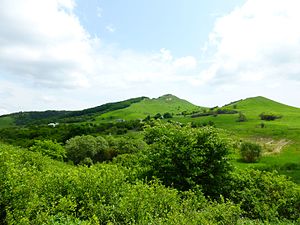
(80, 148)
(49, 148)
(183, 157)
(265, 195)
(241, 117)
(269, 116)
(250, 152)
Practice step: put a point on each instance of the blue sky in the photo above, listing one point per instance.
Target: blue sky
(145, 26)
(74, 54)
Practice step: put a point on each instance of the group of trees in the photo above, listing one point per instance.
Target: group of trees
(26, 136)
(87, 149)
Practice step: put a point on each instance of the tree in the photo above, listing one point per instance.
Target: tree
(49, 148)
(250, 152)
(184, 157)
(80, 148)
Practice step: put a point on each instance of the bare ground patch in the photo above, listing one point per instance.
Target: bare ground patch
(272, 146)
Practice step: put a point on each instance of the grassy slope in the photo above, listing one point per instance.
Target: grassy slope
(288, 128)
(163, 104)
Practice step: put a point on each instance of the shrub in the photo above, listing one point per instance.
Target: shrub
(265, 195)
(158, 116)
(250, 152)
(167, 115)
(80, 148)
(183, 157)
(49, 148)
(269, 116)
(241, 117)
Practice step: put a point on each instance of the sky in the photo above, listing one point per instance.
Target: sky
(75, 54)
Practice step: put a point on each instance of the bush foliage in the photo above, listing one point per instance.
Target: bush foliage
(183, 157)
(250, 152)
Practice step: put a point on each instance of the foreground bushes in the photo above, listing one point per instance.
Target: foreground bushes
(265, 195)
(38, 190)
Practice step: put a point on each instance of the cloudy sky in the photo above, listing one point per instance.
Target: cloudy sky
(74, 54)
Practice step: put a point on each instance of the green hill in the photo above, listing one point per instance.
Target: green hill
(280, 137)
(164, 104)
(37, 118)
(252, 108)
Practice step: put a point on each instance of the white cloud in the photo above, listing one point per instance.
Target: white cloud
(45, 53)
(110, 28)
(44, 41)
(257, 41)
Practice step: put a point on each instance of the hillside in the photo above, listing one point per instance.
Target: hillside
(164, 104)
(251, 108)
(280, 137)
(36, 118)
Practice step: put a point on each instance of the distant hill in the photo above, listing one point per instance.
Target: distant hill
(286, 125)
(180, 109)
(134, 108)
(150, 107)
(32, 118)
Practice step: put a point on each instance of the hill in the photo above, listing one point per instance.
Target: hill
(150, 107)
(280, 137)
(131, 109)
(35, 118)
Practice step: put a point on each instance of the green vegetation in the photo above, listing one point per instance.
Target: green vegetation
(284, 130)
(6, 121)
(164, 104)
(49, 148)
(250, 152)
(269, 116)
(185, 158)
(152, 161)
(34, 118)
